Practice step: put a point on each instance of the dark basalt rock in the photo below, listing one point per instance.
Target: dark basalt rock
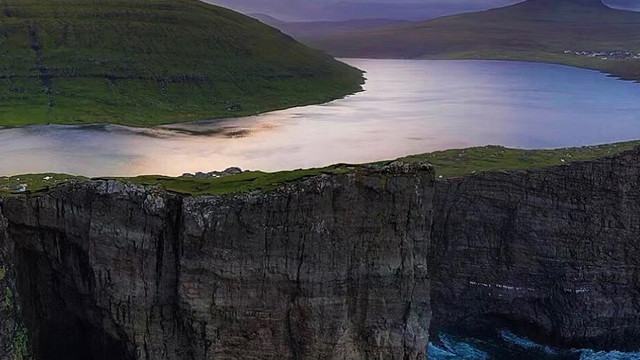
(333, 267)
(554, 252)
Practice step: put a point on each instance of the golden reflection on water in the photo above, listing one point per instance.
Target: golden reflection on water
(408, 107)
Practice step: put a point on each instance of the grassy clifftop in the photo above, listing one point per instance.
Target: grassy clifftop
(447, 164)
(150, 62)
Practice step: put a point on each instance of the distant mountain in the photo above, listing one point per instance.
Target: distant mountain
(151, 62)
(534, 25)
(345, 10)
(269, 20)
(538, 30)
(311, 29)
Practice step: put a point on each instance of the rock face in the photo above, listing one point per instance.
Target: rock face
(13, 334)
(554, 252)
(332, 267)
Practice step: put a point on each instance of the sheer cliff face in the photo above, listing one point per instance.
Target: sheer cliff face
(555, 252)
(96, 273)
(13, 334)
(333, 267)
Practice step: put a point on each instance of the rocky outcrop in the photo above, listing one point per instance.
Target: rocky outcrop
(332, 267)
(554, 252)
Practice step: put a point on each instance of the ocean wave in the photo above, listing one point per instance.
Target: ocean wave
(503, 345)
(437, 353)
(524, 343)
(453, 348)
(608, 355)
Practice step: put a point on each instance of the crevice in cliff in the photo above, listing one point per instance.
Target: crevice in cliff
(295, 311)
(55, 282)
(62, 322)
(14, 337)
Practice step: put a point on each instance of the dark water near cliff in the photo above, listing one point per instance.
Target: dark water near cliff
(501, 344)
(408, 107)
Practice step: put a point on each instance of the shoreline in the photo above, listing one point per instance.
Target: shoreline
(454, 57)
(448, 164)
(177, 126)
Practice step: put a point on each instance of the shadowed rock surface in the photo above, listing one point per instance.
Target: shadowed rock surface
(333, 267)
(554, 252)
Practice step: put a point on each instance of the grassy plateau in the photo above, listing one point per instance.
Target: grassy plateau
(447, 164)
(150, 62)
(534, 30)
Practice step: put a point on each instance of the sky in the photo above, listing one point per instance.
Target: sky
(336, 10)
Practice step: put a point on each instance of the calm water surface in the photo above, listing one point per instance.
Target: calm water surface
(408, 107)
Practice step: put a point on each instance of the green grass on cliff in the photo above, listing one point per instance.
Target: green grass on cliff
(34, 183)
(448, 164)
(460, 162)
(246, 181)
(151, 62)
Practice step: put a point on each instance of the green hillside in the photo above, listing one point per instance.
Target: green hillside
(535, 30)
(150, 62)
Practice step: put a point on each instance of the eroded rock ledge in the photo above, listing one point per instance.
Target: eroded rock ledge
(332, 267)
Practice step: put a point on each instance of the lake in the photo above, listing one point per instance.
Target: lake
(408, 107)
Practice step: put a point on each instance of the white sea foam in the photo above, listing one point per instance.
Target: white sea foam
(450, 347)
(437, 353)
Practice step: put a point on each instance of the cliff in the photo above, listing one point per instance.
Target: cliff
(356, 265)
(332, 267)
(553, 252)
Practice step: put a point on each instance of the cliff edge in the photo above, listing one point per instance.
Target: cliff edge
(359, 265)
(331, 267)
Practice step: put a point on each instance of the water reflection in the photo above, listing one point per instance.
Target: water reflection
(408, 107)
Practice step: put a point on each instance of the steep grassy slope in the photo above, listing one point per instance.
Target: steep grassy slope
(151, 62)
(535, 30)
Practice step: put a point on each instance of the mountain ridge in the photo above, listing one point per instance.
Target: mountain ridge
(534, 30)
(595, 3)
